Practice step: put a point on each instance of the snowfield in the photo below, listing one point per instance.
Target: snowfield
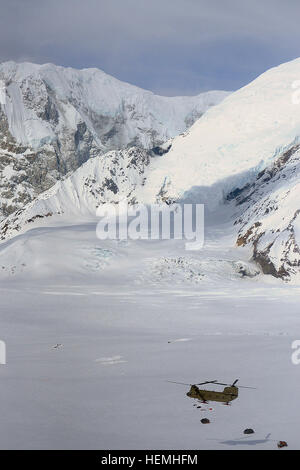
(94, 329)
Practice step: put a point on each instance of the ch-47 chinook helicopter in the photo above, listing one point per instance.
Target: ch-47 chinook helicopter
(229, 393)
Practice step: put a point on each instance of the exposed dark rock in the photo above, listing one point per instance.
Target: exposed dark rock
(249, 431)
(281, 444)
(205, 421)
(269, 216)
(161, 150)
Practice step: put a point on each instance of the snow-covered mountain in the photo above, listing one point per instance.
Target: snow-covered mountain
(233, 141)
(53, 119)
(240, 149)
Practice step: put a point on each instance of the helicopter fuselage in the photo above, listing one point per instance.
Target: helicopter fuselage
(228, 394)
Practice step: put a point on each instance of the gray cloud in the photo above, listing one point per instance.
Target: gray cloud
(169, 46)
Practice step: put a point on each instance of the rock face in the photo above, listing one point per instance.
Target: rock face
(53, 119)
(270, 216)
(106, 179)
(24, 172)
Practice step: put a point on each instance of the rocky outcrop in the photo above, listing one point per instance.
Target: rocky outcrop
(105, 179)
(269, 218)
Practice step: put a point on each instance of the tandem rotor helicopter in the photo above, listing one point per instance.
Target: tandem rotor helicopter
(229, 393)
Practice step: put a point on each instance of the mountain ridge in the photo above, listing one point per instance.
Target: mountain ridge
(53, 119)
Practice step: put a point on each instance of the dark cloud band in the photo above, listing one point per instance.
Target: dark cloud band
(169, 46)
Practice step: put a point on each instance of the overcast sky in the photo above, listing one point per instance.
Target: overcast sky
(168, 46)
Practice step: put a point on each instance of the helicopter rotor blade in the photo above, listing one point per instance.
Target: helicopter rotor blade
(234, 385)
(243, 386)
(208, 382)
(178, 383)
